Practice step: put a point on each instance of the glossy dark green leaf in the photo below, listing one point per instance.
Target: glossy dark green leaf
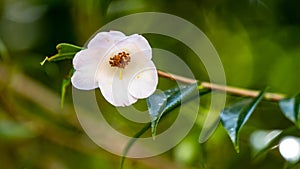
(161, 103)
(291, 109)
(235, 116)
(156, 104)
(171, 99)
(64, 51)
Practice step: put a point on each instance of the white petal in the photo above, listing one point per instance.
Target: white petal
(113, 88)
(105, 39)
(85, 64)
(116, 93)
(135, 44)
(83, 81)
(144, 83)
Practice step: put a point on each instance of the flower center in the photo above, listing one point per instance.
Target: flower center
(120, 60)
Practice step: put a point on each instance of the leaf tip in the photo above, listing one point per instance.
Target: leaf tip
(58, 46)
(153, 132)
(237, 149)
(153, 136)
(44, 61)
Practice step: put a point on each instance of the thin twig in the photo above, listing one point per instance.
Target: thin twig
(228, 89)
(176, 77)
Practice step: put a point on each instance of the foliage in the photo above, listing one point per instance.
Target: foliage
(257, 42)
(291, 109)
(160, 104)
(235, 116)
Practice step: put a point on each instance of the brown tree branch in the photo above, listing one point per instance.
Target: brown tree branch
(228, 89)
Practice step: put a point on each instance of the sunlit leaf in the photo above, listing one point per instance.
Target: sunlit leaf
(291, 109)
(235, 116)
(161, 103)
(64, 51)
(264, 141)
(272, 139)
(261, 139)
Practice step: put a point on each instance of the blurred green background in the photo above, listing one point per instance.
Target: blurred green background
(257, 41)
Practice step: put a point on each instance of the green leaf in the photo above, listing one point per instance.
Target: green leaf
(291, 109)
(270, 139)
(156, 104)
(162, 103)
(64, 51)
(260, 140)
(235, 116)
(66, 83)
(174, 97)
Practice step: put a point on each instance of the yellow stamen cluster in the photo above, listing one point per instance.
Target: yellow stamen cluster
(120, 60)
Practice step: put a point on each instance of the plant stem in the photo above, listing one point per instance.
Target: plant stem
(176, 77)
(228, 89)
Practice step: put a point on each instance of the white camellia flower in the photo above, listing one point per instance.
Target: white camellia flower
(119, 65)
